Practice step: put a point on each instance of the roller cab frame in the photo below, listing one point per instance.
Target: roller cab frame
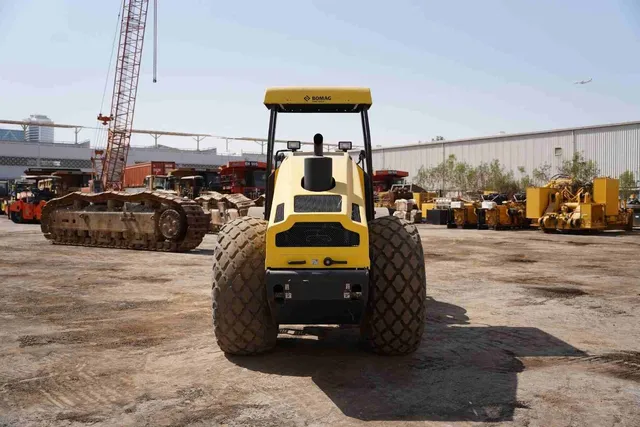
(317, 205)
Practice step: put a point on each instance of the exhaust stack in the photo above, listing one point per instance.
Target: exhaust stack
(318, 171)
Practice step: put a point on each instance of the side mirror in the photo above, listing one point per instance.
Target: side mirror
(345, 145)
(361, 158)
(293, 145)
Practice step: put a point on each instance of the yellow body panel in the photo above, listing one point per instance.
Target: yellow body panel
(349, 180)
(498, 216)
(465, 216)
(424, 207)
(605, 191)
(422, 197)
(592, 216)
(537, 201)
(317, 95)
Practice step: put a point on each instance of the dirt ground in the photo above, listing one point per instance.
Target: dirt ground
(523, 328)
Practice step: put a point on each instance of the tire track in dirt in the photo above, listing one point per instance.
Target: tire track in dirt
(70, 389)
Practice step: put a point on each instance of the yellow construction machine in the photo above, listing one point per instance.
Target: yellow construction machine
(390, 190)
(498, 212)
(464, 214)
(319, 252)
(565, 205)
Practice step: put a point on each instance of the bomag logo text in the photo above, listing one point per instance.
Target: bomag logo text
(320, 98)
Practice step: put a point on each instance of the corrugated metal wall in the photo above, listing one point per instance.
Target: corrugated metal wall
(616, 148)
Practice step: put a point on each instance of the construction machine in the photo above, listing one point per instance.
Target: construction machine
(224, 207)
(65, 181)
(106, 216)
(464, 214)
(634, 204)
(565, 205)
(5, 195)
(383, 180)
(319, 252)
(208, 178)
(498, 212)
(28, 199)
(244, 177)
(199, 184)
(393, 192)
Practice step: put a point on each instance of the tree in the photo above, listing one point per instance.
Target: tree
(452, 175)
(439, 176)
(628, 184)
(541, 175)
(500, 180)
(580, 169)
(438, 138)
(525, 180)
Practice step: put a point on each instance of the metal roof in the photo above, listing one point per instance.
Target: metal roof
(505, 135)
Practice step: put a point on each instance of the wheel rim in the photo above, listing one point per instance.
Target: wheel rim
(170, 224)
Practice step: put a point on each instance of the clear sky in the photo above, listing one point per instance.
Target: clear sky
(457, 69)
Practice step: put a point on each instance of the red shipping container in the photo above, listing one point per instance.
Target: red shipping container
(134, 175)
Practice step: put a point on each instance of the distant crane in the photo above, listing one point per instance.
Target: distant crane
(109, 164)
(583, 82)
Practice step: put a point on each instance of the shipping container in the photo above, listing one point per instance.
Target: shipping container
(134, 174)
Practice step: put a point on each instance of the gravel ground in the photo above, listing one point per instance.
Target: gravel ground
(523, 328)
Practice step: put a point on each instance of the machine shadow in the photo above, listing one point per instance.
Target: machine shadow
(459, 373)
(200, 251)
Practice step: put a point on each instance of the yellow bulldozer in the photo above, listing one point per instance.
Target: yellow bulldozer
(319, 251)
(566, 205)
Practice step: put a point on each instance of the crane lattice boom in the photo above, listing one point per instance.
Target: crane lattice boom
(125, 87)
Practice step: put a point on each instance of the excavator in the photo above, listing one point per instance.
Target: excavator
(107, 216)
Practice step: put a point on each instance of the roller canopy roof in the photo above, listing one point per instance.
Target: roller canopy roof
(318, 99)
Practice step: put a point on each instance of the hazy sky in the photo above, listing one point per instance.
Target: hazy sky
(457, 69)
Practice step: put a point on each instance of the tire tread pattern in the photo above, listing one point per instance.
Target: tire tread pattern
(242, 321)
(395, 314)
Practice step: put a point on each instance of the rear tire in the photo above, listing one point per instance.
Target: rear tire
(242, 321)
(394, 318)
(16, 217)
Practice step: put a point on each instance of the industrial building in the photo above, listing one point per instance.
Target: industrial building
(16, 156)
(38, 131)
(615, 148)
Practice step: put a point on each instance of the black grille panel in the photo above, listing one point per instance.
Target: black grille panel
(317, 235)
(279, 213)
(355, 212)
(329, 203)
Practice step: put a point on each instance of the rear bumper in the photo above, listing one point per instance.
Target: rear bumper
(317, 296)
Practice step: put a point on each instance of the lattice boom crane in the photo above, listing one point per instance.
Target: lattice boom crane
(111, 164)
(148, 220)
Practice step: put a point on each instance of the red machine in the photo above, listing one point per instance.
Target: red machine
(29, 199)
(244, 177)
(383, 179)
